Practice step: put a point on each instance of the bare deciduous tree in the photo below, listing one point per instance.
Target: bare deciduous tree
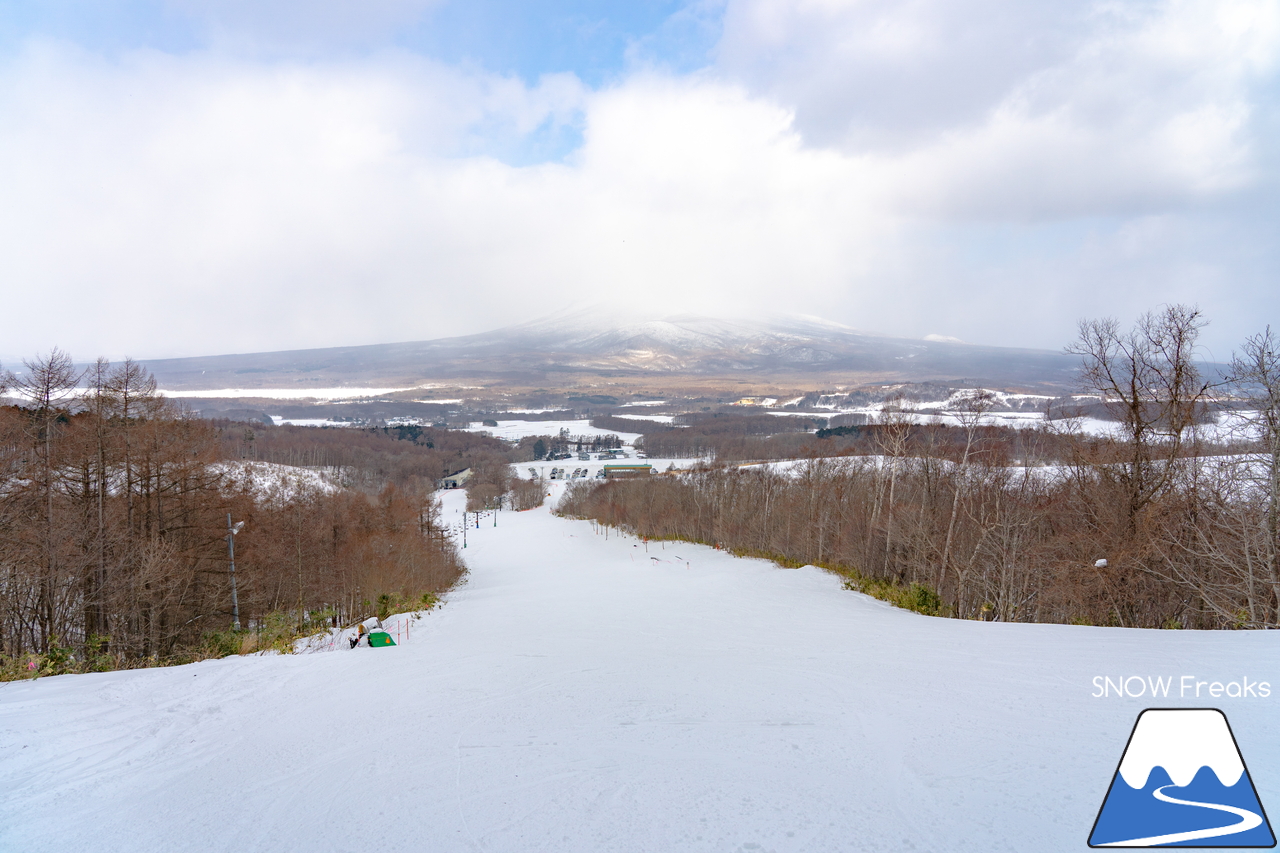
(131, 391)
(1255, 373)
(1148, 378)
(973, 407)
(112, 525)
(48, 385)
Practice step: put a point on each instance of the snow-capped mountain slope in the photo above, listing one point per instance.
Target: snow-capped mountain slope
(600, 343)
(605, 332)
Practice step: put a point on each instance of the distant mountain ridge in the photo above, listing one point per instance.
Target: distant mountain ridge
(584, 344)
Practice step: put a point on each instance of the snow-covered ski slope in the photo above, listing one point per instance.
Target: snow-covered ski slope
(584, 695)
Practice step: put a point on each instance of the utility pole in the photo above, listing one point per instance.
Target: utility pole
(232, 530)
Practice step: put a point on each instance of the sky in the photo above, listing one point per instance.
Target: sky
(189, 177)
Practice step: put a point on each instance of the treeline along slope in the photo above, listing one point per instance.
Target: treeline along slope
(113, 521)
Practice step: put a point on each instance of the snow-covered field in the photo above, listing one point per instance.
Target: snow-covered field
(642, 416)
(584, 694)
(296, 393)
(937, 415)
(514, 430)
(280, 420)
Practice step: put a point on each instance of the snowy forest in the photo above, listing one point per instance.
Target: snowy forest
(1153, 526)
(117, 507)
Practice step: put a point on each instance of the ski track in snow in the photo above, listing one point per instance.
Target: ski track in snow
(576, 695)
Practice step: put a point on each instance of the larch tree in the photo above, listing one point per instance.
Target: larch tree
(1255, 373)
(48, 386)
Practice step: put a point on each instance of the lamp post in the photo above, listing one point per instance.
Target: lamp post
(232, 530)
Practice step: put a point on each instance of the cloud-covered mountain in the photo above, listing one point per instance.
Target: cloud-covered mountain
(582, 345)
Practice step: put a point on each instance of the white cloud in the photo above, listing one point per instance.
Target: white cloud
(884, 73)
(984, 170)
(200, 204)
(1013, 110)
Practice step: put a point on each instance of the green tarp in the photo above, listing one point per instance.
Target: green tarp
(380, 638)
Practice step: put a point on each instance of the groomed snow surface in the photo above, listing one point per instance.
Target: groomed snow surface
(584, 694)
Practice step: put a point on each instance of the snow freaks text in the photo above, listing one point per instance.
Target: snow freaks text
(1181, 687)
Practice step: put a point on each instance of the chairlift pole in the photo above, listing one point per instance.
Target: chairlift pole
(231, 554)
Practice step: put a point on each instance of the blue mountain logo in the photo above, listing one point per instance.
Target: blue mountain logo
(1182, 783)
